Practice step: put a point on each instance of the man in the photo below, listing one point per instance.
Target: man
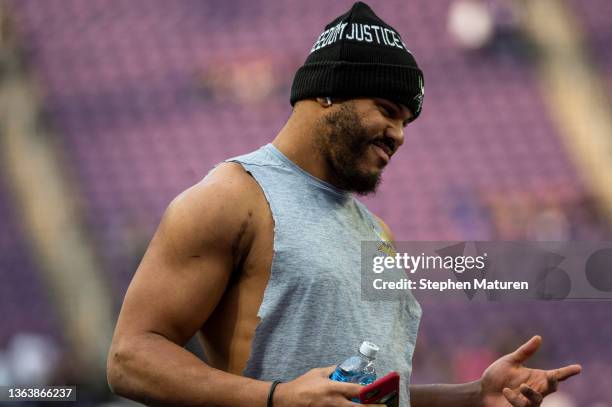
(262, 256)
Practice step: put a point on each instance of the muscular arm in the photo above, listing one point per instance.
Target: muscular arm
(179, 282)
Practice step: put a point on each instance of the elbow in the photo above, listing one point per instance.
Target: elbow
(116, 371)
(126, 369)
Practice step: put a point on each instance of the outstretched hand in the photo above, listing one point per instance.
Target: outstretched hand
(507, 383)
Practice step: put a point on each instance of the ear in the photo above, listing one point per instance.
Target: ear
(325, 102)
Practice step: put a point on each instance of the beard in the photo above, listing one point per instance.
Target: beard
(343, 140)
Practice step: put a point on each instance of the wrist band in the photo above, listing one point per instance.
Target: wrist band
(271, 393)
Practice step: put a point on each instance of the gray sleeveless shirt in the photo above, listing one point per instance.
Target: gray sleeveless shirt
(311, 314)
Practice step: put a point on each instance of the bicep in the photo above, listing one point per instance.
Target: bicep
(184, 271)
(173, 297)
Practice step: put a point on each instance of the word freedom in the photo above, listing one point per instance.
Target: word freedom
(426, 284)
(413, 263)
(361, 33)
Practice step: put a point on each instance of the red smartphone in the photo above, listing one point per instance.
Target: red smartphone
(383, 391)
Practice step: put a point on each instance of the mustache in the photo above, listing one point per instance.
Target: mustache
(386, 143)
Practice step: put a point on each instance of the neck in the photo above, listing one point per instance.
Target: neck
(296, 141)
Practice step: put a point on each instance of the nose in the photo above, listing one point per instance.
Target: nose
(396, 132)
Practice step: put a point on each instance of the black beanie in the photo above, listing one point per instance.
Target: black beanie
(359, 55)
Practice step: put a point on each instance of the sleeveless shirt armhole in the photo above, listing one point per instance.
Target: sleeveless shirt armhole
(254, 359)
(273, 211)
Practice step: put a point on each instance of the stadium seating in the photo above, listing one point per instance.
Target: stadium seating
(147, 96)
(21, 278)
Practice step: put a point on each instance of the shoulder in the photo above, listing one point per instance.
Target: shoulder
(227, 187)
(215, 209)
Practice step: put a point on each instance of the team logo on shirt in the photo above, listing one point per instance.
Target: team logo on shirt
(385, 245)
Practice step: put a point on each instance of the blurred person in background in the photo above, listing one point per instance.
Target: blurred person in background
(262, 257)
(487, 24)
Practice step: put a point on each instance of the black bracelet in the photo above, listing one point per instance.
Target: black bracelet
(271, 393)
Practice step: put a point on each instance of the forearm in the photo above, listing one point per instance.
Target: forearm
(152, 370)
(446, 395)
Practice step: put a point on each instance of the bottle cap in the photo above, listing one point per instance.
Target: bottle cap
(369, 349)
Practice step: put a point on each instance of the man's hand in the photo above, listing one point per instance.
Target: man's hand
(315, 389)
(508, 383)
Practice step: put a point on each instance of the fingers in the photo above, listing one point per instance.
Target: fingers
(326, 371)
(526, 350)
(533, 396)
(348, 390)
(525, 397)
(565, 372)
(515, 398)
(368, 405)
(553, 377)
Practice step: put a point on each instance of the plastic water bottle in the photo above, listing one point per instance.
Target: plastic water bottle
(358, 369)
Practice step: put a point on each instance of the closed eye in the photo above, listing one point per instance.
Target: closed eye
(393, 111)
(385, 110)
(389, 110)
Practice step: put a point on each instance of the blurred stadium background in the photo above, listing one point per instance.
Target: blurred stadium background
(109, 108)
